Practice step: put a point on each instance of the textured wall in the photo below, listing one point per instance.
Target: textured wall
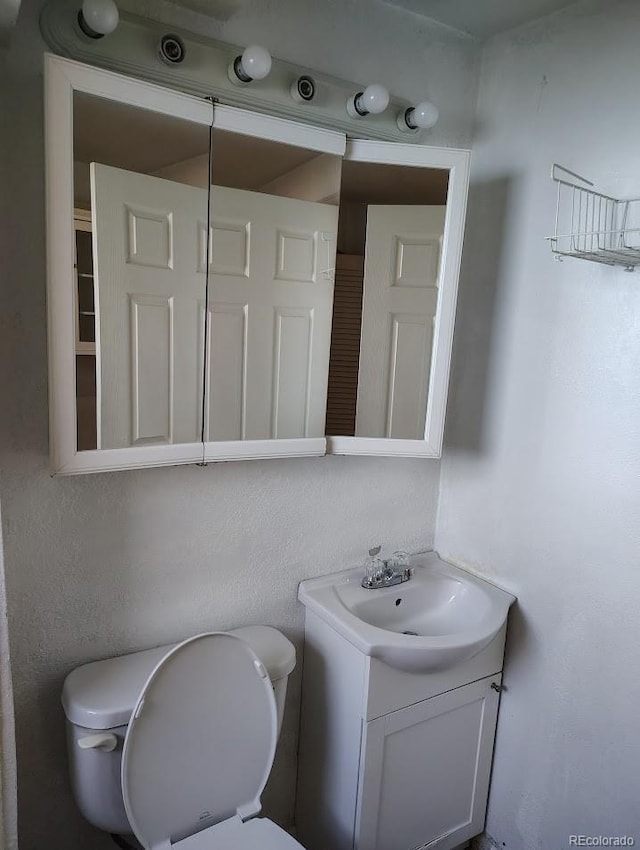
(542, 466)
(101, 565)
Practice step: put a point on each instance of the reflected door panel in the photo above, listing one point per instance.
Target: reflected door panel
(400, 298)
(270, 307)
(150, 286)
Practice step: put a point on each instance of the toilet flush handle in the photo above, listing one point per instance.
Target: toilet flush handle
(106, 741)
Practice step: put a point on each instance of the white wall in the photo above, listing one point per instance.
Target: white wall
(540, 481)
(104, 564)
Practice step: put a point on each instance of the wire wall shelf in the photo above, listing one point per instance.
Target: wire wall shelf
(593, 226)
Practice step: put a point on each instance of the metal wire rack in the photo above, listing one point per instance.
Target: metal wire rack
(593, 226)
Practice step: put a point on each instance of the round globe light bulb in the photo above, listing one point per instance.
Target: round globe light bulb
(256, 62)
(424, 115)
(100, 16)
(374, 99)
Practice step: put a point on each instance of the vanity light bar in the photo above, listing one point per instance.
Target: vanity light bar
(97, 34)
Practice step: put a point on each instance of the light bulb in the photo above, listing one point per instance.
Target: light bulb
(254, 64)
(374, 99)
(423, 116)
(98, 18)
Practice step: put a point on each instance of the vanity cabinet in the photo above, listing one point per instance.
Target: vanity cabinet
(425, 770)
(392, 760)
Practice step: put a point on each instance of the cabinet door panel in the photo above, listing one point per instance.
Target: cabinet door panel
(425, 771)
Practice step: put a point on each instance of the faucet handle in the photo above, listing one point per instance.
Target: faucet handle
(374, 566)
(399, 560)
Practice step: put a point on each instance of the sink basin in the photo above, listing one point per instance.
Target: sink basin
(440, 618)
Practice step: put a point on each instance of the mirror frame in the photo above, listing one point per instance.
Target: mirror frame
(63, 77)
(456, 162)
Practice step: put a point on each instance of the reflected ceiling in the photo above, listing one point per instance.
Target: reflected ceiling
(372, 183)
(116, 134)
(134, 139)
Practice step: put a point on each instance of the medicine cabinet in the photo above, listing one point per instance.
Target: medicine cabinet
(229, 285)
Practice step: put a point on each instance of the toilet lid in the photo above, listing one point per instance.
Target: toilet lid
(233, 834)
(201, 740)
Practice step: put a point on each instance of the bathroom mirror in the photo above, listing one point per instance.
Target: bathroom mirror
(140, 211)
(274, 225)
(193, 309)
(275, 188)
(391, 229)
(399, 237)
(127, 204)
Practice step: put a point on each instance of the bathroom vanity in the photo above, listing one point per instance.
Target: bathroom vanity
(395, 754)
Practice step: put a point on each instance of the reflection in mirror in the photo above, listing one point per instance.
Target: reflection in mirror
(140, 199)
(274, 222)
(386, 294)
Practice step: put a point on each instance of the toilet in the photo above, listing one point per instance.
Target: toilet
(176, 744)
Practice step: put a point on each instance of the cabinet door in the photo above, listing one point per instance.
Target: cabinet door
(424, 771)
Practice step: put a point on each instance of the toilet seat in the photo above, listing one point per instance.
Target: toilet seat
(199, 750)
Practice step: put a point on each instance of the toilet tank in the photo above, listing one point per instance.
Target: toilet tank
(99, 698)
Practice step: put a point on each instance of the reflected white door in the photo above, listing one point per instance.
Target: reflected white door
(402, 260)
(148, 236)
(270, 309)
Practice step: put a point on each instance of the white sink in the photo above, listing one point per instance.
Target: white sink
(442, 616)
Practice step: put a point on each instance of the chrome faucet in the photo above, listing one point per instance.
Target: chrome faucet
(387, 573)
